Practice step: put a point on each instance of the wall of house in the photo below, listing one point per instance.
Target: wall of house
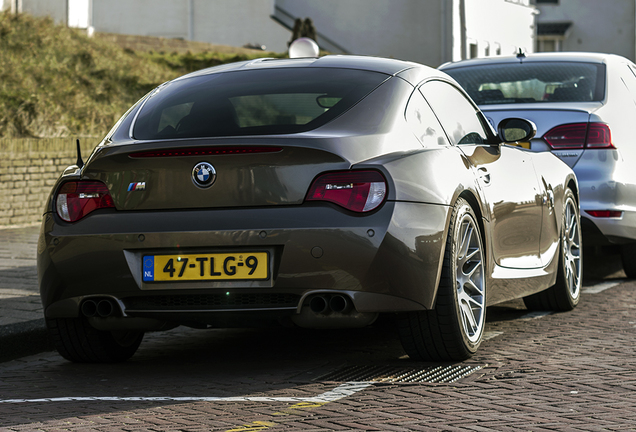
(609, 28)
(499, 26)
(226, 22)
(403, 29)
(426, 32)
(56, 9)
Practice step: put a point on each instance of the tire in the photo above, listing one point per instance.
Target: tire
(566, 293)
(453, 330)
(628, 257)
(76, 340)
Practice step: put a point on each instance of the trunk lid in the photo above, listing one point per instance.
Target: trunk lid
(249, 173)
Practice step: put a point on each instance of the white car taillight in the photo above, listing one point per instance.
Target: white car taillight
(579, 135)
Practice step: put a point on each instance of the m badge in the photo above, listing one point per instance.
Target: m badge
(137, 186)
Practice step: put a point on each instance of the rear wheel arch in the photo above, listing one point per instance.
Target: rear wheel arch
(474, 204)
(565, 294)
(573, 187)
(453, 330)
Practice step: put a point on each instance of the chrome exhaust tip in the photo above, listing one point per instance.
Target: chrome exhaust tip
(319, 305)
(89, 308)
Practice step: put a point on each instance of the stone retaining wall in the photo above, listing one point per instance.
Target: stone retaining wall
(28, 169)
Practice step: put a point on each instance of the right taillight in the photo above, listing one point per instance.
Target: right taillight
(579, 136)
(76, 199)
(358, 191)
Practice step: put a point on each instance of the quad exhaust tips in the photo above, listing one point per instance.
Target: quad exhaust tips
(331, 311)
(101, 308)
(325, 304)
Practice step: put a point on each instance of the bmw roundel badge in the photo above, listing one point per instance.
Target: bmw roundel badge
(203, 175)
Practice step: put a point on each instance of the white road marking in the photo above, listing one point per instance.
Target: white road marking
(342, 391)
(15, 292)
(595, 289)
(491, 334)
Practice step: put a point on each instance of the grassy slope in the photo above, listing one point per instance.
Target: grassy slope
(55, 81)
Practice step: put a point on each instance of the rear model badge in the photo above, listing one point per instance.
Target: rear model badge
(137, 186)
(203, 175)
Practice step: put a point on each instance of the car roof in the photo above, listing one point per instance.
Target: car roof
(588, 57)
(374, 64)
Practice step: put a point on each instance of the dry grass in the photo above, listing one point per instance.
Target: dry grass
(55, 81)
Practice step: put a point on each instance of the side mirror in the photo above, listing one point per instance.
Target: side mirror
(516, 129)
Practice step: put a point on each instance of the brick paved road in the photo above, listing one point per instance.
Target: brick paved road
(572, 371)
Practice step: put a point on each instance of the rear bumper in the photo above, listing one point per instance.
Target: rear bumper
(608, 231)
(388, 261)
(607, 182)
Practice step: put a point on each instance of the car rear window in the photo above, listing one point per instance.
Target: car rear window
(264, 101)
(532, 82)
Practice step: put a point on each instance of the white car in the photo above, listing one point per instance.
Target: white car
(584, 105)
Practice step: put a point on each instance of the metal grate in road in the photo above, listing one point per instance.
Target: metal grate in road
(395, 374)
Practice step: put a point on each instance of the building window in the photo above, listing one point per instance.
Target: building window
(551, 35)
(548, 45)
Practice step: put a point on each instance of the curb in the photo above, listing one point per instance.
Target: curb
(22, 339)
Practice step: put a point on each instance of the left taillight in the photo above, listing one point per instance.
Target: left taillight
(358, 191)
(76, 199)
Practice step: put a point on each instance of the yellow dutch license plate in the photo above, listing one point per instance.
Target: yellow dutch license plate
(201, 267)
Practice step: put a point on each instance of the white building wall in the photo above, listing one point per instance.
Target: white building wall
(403, 29)
(56, 9)
(227, 22)
(426, 31)
(598, 26)
(500, 25)
(166, 18)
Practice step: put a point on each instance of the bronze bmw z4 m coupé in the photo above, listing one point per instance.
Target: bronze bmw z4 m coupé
(318, 193)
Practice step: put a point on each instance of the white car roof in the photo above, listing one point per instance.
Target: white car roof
(538, 57)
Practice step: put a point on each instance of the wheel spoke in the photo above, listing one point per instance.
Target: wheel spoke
(476, 265)
(469, 318)
(472, 254)
(465, 243)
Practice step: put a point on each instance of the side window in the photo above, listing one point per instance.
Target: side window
(456, 114)
(423, 122)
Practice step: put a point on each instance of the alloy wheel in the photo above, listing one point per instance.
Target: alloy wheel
(571, 246)
(470, 279)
